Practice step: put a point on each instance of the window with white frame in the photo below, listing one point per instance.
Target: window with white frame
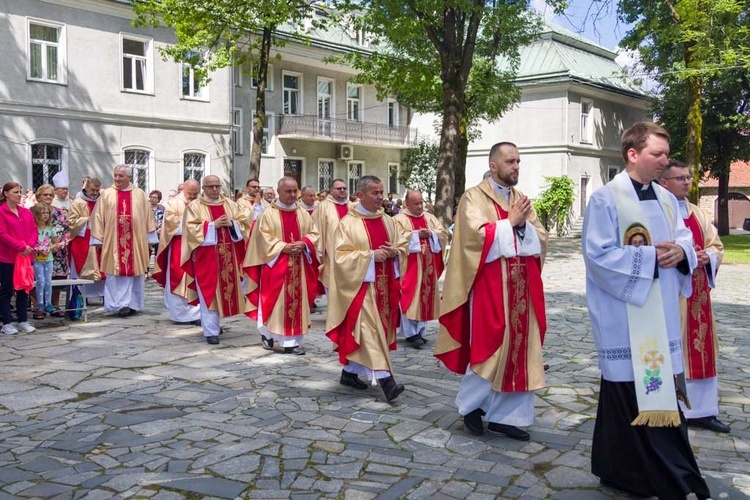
(269, 77)
(138, 160)
(46, 161)
(325, 106)
(46, 57)
(194, 166)
(237, 138)
(355, 170)
(192, 87)
(354, 102)
(325, 174)
(266, 148)
(587, 120)
(392, 113)
(292, 98)
(137, 63)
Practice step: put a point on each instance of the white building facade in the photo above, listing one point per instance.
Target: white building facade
(82, 90)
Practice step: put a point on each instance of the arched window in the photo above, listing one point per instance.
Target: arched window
(194, 165)
(139, 160)
(46, 161)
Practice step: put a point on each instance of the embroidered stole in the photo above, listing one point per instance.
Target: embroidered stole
(387, 287)
(647, 327)
(432, 267)
(125, 255)
(699, 344)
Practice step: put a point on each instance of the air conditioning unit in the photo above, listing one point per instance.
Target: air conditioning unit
(346, 152)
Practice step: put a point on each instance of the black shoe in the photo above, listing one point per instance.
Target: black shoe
(390, 388)
(473, 422)
(424, 340)
(352, 380)
(221, 330)
(546, 367)
(125, 311)
(197, 322)
(213, 339)
(511, 431)
(299, 351)
(415, 341)
(267, 343)
(710, 423)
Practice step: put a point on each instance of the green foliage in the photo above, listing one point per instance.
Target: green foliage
(457, 58)
(420, 168)
(554, 206)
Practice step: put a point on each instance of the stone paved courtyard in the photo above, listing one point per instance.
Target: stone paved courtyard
(141, 407)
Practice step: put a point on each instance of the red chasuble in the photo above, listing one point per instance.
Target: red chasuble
(286, 275)
(81, 245)
(342, 210)
(700, 355)
(125, 233)
(215, 265)
(432, 268)
(479, 324)
(176, 272)
(387, 297)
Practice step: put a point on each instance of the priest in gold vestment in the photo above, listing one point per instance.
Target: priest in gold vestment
(124, 224)
(85, 258)
(420, 297)
(369, 253)
(326, 216)
(282, 267)
(492, 315)
(251, 201)
(214, 229)
(168, 271)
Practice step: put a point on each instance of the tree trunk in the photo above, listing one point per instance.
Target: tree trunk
(460, 168)
(259, 119)
(722, 208)
(694, 142)
(450, 143)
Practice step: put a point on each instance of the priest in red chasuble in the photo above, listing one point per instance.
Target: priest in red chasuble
(326, 216)
(124, 224)
(282, 267)
(492, 315)
(214, 229)
(364, 290)
(85, 258)
(700, 344)
(168, 271)
(420, 297)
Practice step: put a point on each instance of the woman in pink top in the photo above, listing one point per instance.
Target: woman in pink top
(18, 235)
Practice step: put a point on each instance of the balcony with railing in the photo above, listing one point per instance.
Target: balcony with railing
(340, 130)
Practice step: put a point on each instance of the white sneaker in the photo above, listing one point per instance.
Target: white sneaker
(26, 327)
(9, 329)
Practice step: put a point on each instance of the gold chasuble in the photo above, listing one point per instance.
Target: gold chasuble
(217, 268)
(178, 279)
(121, 220)
(699, 339)
(420, 297)
(326, 216)
(84, 257)
(285, 291)
(363, 317)
(492, 315)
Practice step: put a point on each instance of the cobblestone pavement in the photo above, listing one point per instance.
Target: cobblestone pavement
(142, 407)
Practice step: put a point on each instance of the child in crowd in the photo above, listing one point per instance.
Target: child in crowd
(47, 244)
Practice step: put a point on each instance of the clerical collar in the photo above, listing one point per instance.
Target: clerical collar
(683, 207)
(337, 202)
(306, 207)
(645, 192)
(284, 205)
(500, 189)
(363, 210)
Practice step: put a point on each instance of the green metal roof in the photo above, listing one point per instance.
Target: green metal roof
(561, 55)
